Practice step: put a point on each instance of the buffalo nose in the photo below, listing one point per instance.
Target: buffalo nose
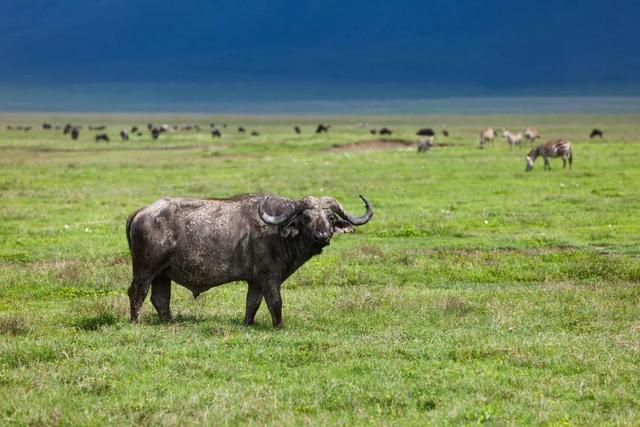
(324, 236)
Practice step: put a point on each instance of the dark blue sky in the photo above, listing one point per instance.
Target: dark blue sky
(450, 47)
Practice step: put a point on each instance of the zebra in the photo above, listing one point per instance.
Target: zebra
(425, 144)
(531, 134)
(487, 136)
(554, 148)
(512, 138)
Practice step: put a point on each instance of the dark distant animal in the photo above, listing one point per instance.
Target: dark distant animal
(124, 136)
(531, 134)
(487, 136)
(385, 131)
(224, 125)
(102, 137)
(323, 128)
(9, 127)
(373, 131)
(552, 149)
(426, 132)
(150, 126)
(67, 129)
(261, 239)
(46, 126)
(254, 133)
(425, 144)
(27, 128)
(216, 133)
(596, 133)
(241, 129)
(139, 134)
(97, 127)
(134, 129)
(212, 125)
(297, 129)
(155, 133)
(75, 133)
(445, 132)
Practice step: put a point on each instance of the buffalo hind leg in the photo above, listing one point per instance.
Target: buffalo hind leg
(161, 296)
(271, 292)
(137, 293)
(254, 298)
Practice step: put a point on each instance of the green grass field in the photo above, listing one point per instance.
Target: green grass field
(477, 293)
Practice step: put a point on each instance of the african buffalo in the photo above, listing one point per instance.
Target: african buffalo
(258, 238)
(385, 131)
(102, 137)
(216, 133)
(46, 126)
(241, 129)
(426, 132)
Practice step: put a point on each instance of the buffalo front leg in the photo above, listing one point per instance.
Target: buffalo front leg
(161, 296)
(254, 298)
(137, 293)
(271, 292)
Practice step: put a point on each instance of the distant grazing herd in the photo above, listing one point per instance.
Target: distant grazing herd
(551, 149)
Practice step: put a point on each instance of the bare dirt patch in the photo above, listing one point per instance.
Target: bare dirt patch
(378, 144)
(385, 144)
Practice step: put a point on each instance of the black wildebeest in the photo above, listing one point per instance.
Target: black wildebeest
(596, 133)
(241, 129)
(426, 132)
(322, 128)
(124, 136)
(102, 137)
(385, 131)
(75, 133)
(215, 133)
(297, 129)
(46, 126)
(258, 238)
(551, 149)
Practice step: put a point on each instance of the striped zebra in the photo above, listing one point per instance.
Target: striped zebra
(531, 134)
(552, 149)
(512, 138)
(487, 136)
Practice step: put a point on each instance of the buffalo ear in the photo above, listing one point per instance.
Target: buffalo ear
(342, 226)
(290, 229)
